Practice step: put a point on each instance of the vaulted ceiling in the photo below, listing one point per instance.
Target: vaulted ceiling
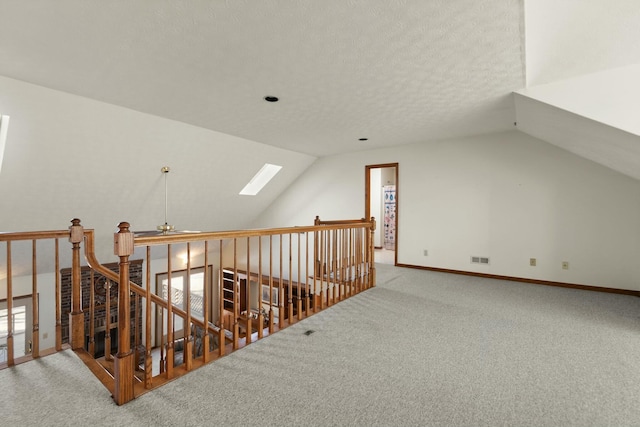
(394, 72)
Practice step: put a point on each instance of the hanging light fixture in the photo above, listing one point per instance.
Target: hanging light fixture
(166, 227)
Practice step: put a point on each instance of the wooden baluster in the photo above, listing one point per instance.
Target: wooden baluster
(299, 292)
(334, 266)
(58, 297)
(339, 234)
(359, 246)
(248, 293)
(316, 261)
(306, 275)
(340, 263)
(326, 267)
(347, 264)
(363, 264)
(186, 330)
(289, 289)
(271, 312)
(281, 295)
(92, 320)
(123, 363)
(76, 317)
(331, 266)
(260, 307)
(321, 270)
(236, 297)
(222, 335)
(163, 356)
(107, 321)
(35, 336)
(148, 358)
(353, 243)
(350, 264)
(352, 236)
(10, 352)
(136, 331)
(170, 356)
(206, 356)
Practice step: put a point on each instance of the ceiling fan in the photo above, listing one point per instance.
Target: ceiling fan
(166, 228)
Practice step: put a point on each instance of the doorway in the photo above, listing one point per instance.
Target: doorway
(381, 202)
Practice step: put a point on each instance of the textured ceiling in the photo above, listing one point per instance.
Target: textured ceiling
(395, 72)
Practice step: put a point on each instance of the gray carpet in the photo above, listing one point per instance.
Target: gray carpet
(420, 349)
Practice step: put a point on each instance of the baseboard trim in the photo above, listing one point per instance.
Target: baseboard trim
(524, 280)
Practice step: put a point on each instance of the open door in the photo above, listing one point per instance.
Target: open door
(381, 202)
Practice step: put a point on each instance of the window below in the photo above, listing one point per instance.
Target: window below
(4, 127)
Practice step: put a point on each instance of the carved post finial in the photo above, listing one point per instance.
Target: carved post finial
(123, 240)
(76, 231)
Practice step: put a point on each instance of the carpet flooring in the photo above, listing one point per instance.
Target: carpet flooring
(420, 349)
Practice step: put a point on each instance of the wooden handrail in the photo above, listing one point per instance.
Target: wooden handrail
(33, 235)
(167, 239)
(340, 247)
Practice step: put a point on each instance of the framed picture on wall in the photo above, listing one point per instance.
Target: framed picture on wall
(265, 295)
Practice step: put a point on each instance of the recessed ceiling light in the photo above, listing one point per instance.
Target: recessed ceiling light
(363, 139)
(270, 98)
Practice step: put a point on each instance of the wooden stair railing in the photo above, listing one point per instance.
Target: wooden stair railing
(276, 278)
(21, 265)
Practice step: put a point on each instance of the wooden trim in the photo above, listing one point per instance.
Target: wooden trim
(525, 280)
(367, 198)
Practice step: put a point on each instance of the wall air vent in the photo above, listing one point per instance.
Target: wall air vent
(479, 260)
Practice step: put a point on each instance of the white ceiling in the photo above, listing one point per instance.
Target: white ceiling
(396, 72)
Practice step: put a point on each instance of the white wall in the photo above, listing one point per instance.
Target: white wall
(68, 156)
(573, 37)
(506, 196)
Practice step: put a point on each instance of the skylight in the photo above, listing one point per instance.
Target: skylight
(4, 126)
(260, 179)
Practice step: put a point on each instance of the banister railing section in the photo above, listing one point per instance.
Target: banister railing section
(177, 301)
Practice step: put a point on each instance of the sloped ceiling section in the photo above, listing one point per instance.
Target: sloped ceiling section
(594, 116)
(593, 140)
(72, 157)
(611, 97)
(395, 72)
(583, 90)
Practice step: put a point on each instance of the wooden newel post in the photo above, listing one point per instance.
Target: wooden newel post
(76, 317)
(123, 361)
